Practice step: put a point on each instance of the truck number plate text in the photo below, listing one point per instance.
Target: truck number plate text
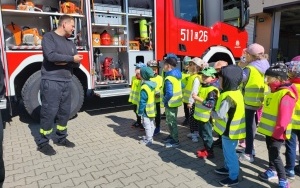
(191, 35)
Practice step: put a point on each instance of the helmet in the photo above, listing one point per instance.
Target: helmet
(152, 63)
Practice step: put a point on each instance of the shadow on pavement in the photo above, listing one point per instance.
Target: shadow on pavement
(179, 156)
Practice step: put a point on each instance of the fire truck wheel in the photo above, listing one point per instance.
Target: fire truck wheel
(33, 104)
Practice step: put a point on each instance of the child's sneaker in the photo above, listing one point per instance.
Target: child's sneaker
(204, 154)
(246, 157)
(135, 125)
(145, 142)
(156, 131)
(190, 135)
(168, 139)
(268, 175)
(283, 184)
(172, 144)
(290, 174)
(227, 182)
(222, 171)
(194, 138)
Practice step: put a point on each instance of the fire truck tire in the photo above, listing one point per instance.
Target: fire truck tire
(33, 104)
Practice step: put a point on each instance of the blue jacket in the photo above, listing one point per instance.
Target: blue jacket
(168, 87)
(144, 98)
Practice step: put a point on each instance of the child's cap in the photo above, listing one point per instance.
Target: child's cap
(294, 67)
(278, 69)
(186, 60)
(255, 49)
(199, 62)
(152, 63)
(171, 59)
(139, 65)
(209, 71)
(147, 73)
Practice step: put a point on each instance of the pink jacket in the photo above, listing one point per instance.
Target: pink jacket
(285, 113)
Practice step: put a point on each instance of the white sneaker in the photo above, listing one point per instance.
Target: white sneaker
(246, 157)
(190, 135)
(194, 138)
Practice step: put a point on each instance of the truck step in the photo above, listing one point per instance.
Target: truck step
(111, 92)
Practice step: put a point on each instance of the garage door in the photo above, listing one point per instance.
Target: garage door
(250, 28)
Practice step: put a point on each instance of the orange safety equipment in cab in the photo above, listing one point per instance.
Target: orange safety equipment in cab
(69, 8)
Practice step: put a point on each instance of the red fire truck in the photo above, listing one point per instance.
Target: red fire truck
(113, 37)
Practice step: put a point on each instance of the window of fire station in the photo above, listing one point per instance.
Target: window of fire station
(188, 10)
(231, 12)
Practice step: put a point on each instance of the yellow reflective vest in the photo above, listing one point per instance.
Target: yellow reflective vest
(176, 99)
(237, 124)
(135, 90)
(159, 82)
(270, 112)
(150, 107)
(296, 116)
(188, 88)
(202, 113)
(185, 77)
(254, 88)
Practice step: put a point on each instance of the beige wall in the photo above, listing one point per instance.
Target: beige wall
(264, 31)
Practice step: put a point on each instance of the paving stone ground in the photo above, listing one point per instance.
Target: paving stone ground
(107, 154)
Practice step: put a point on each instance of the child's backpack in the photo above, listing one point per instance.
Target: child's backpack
(31, 36)
(16, 32)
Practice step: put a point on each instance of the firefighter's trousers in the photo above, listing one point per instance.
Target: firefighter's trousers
(55, 110)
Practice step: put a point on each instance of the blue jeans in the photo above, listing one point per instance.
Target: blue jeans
(290, 152)
(230, 157)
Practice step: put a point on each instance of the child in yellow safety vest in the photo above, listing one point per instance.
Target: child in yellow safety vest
(275, 123)
(229, 116)
(193, 84)
(255, 65)
(185, 76)
(146, 107)
(135, 92)
(205, 101)
(291, 144)
(172, 98)
(159, 81)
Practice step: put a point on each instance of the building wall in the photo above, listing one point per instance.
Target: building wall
(264, 31)
(257, 6)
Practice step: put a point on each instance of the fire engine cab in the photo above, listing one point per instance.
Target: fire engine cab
(113, 35)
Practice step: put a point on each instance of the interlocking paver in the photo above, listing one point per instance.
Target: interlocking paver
(69, 175)
(75, 167)
(82, 179)
(66, 184)
(101, 173)
(35, 178)
(115, 184)
(24, 175)
(97, 182)
(107, 154)
(130, 179)
(49, 181)
(59, 172)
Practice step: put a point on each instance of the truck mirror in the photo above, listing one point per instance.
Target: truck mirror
(244, 14)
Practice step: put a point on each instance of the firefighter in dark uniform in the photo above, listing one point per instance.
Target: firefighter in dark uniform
(60, 57)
